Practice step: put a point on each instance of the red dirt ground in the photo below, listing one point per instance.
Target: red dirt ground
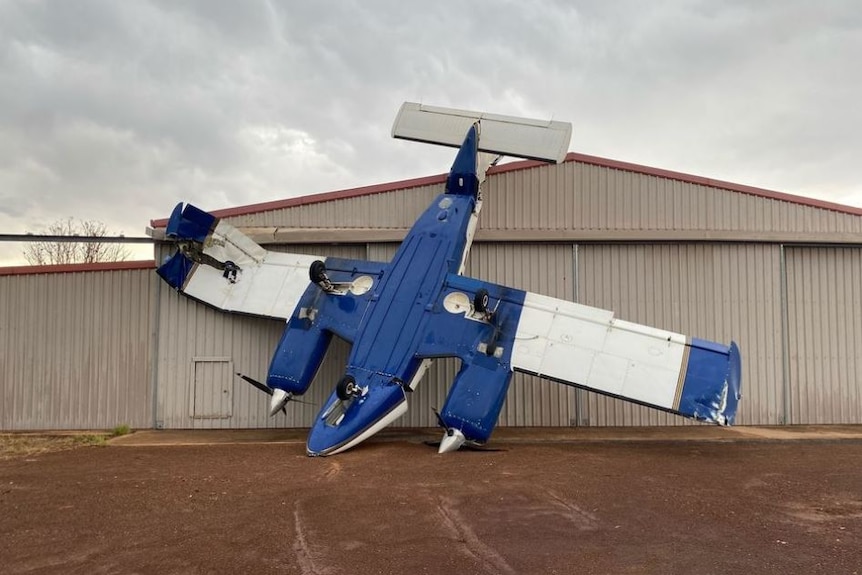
(394, 506)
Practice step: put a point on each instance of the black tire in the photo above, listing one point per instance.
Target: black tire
(317, 271)
(481, 300)
(346, 388)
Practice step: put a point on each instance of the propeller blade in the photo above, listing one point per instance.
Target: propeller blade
(293, 399)
(439, 417)
(283, 397)
(261, 386)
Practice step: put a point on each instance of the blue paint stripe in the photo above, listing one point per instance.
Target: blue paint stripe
(190, 223)
(462, 179)
(175, 270)
(712, 382)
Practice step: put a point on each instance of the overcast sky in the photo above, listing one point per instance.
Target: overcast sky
(116, 111)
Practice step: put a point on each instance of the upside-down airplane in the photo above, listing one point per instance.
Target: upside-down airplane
(401, 315)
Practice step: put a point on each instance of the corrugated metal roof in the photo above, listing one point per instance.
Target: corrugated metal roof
(574, 202)
(572, 157)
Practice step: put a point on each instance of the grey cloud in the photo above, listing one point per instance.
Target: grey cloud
(123, 108)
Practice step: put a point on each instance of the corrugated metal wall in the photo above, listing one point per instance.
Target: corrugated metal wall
(824, 293)
(395, 209)
(711, 291)
(577, 196)
(75, 350)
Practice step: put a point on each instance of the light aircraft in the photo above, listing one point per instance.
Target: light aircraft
(401, 315)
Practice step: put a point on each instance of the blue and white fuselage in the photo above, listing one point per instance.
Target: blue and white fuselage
(399, 316)
(383, 363)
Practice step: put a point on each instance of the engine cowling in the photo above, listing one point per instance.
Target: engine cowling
(476, 398)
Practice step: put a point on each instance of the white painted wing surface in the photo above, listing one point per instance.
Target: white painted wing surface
(268, 284)
(586, 346)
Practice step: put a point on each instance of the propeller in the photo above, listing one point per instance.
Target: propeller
(280, 398)
(439, 417)
(454, 439)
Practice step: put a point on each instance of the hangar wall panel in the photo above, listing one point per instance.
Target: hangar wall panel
(75, 350)
(394, 209)
(824, 292)
(711, 291)
(575, 196)
(580, 196)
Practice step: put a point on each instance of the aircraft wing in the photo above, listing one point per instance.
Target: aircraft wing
(221, 267)
(587, 347)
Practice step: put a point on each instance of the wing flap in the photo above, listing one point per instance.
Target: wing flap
(270, 287)
(586, 346)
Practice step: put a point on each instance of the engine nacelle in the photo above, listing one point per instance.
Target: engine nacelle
(476, 398)
(298, 356)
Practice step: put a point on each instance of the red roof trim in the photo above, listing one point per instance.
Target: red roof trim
(699, 180)
(524, 165)
(318, 198)
(74, 268)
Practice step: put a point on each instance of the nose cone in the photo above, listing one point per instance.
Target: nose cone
(278, 401)
(452, 441)
(345, 424)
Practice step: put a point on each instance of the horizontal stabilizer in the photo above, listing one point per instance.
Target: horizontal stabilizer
(504, 135)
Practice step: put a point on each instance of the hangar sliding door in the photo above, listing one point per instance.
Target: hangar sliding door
(717, 292)
(824, 295)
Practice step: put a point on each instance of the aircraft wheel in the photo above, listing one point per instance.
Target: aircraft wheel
(346, 388)
(481, 300)
(317, 272)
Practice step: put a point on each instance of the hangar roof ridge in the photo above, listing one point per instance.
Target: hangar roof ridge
(524, 165)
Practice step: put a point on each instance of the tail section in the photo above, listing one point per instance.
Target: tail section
(464, 178)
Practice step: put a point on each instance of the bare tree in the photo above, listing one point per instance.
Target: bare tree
(71, 252)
